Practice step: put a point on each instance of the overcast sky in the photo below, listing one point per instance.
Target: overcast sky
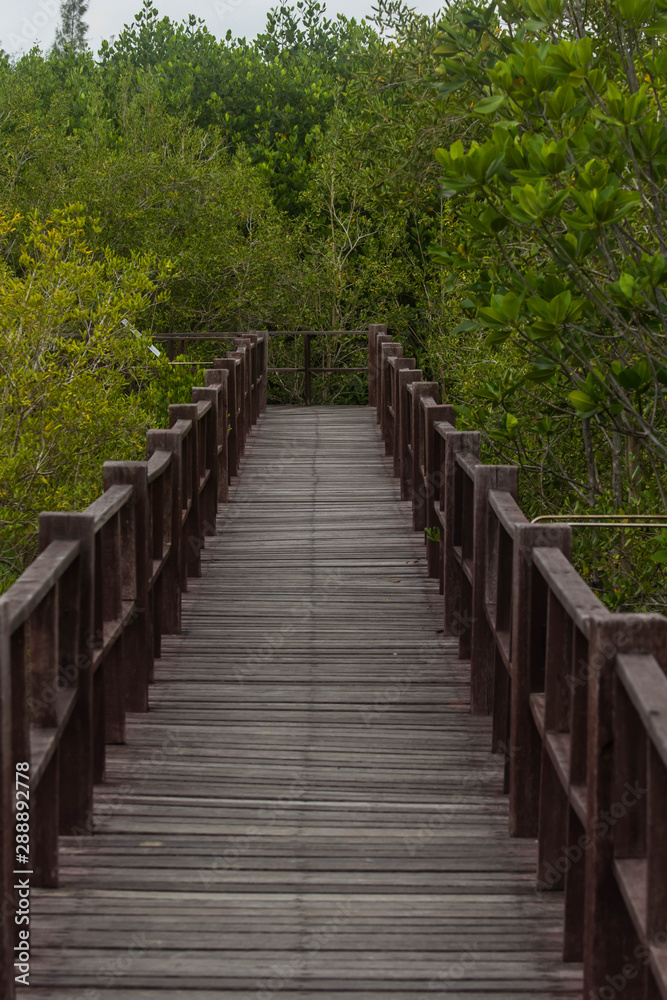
(23, 24)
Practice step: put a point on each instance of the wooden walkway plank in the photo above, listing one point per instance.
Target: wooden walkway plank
(308, 811)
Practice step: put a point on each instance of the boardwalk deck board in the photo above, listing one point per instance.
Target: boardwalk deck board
(308, 810)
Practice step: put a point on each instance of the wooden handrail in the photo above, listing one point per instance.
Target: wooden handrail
(578, 695)
(84, 622)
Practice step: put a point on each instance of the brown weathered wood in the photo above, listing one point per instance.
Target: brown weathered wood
(196, 335)
(417, 488)
(244, 349)
(609, 934)
(308, 380)
(232, 365)
(373, 331)
(503, 513)
(529, 614)
(455, 443)
(220, 377)
(76, 751)
(485, 478)
(264, 356)
(242, 425)
(405, 378)
(173, 578)
(136, 561)
(310, 760)
(387, 350)
(381, 338)
(433, 414)
(397, 365)
(211, 493)
(192, 535)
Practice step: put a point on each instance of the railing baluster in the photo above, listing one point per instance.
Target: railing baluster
(387, 350)
(136, 565)
(381, 338)
(434, 413)
(173, 572)
(232, 366)
(307, 374)
(405, 379)
(220, 377)
(419, 391)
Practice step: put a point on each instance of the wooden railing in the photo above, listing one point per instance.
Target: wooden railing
(80, 629)
(262, 341)
(578, 695)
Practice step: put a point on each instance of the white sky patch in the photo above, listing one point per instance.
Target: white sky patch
(34, 21)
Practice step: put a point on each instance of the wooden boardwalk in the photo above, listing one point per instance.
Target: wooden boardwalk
(308, 810)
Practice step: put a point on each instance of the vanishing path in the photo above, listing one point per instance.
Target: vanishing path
(308, 810)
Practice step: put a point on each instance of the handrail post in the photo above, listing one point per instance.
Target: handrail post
(308, 385)
(455, 442)
(387, 350)
(243, 347)
(231, 365)
(486, 477)
(255, 340)
(138, 642)
(241, 406)
(432, 475)
(381, 338)
(210, 394)
(174, 572)
(397, 365)
(527, 637)
(78, 754)
(265, 341)
(606, 933)
(194, 536)
(373, 331)
(220, 377)
(418, 392)
(251, 342)
(405, 379)
(7, 797)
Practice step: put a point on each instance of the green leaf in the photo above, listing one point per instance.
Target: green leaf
(582, 402)
(489, 105)
(466, 326)
(496, 338)
(627, 284)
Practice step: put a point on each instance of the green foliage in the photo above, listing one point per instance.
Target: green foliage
(489, 182)
(77, 377)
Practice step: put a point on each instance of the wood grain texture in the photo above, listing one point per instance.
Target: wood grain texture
(308, 810)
